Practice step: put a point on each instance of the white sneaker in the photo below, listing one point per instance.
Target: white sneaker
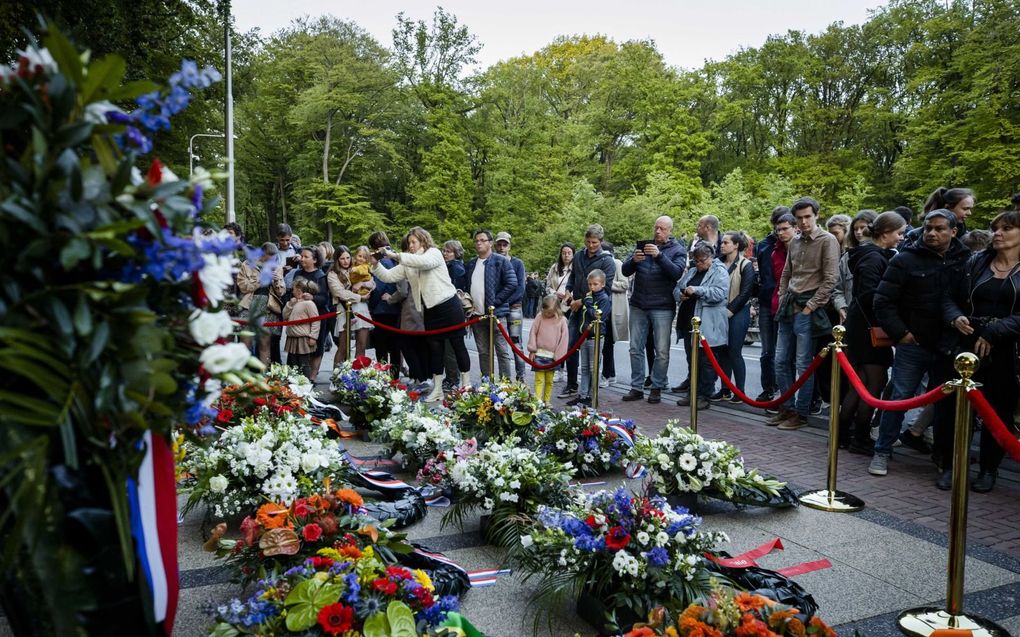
(605, 382)
(559, 376)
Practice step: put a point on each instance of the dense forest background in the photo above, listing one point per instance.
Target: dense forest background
(339, 135)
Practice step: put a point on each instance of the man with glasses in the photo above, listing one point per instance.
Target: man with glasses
(807, 281)
(492, 283)
(656, 266)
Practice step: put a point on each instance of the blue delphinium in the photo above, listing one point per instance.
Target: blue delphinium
(658, 556)
(353, 588)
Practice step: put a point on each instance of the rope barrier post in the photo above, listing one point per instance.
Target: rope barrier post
(349, 305)
(829, 499)
(595, 360)
(492, 343)
(695, 345)
(923, 621)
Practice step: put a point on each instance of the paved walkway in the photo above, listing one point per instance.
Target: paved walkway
(889, 557)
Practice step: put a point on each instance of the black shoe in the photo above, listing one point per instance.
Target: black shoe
(736, 400)
(648, 381)
(722, 394)
(632, 395)
(574, 401)
(684, 386)
(984, 483)
(765, 396)
(816, 408)
(917, 443)
(685, 401)
(568, 392)
(655, 397)
(945, 481)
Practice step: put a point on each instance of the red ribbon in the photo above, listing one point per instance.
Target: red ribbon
(761, 404)
(907, 404)
(534, 365)
(994, 424)
(442, 330)
(806, 567)
(747, 559)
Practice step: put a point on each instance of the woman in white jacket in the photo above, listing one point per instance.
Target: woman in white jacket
(422, 264)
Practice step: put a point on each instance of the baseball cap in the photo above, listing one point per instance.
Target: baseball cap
(503, 236)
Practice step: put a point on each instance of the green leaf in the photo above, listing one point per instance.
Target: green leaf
(100, 337)
(64, 53)
(76, 250)
(401, 620)
(82, 317)
(521, 418)
(60, 314)
(107, 157)
(376, 626)
(72, 135)
(104, 76)
(224, 630)
(306, 600)
(131, 90)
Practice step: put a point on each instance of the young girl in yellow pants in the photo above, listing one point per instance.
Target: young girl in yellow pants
(547, 342)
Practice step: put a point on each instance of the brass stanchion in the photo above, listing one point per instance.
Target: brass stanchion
(492, 343)
(347, 329)
(695, 344)
(921, 622)
(829, 499)
(595, 360)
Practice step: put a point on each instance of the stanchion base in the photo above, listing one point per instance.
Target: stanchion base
(826, 500)
(922, 622)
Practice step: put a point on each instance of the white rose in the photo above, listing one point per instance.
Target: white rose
(225, 358)
(310, 462)
(206, 327)
(218, 484)
(642, 538)
(217, 275)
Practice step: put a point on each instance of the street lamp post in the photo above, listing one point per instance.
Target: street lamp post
(191, 150)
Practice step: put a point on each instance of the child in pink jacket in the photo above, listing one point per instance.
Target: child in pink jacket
(547, 342)
(302, 338)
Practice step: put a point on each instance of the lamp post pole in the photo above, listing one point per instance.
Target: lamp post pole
(231, 216)
(191, 150)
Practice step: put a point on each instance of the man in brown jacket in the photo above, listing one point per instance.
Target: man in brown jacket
(812, 266)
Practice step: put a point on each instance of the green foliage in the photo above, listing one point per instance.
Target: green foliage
(306, 600)
(317, 203)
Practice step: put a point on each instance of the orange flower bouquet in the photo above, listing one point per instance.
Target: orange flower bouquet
(733, 614)
(279, 537)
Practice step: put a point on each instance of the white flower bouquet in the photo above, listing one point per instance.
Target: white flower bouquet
(367, 388)
(587, 439)
(269, 457)
(680, 461)
(508, 483)
(416, 433)
(631, 553)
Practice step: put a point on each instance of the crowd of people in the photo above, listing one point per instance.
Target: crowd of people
(910, 298)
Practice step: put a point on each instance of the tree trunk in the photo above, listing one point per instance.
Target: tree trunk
(325, 164)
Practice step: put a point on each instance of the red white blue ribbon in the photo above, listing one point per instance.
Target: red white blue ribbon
(485, 578)
(152, 500)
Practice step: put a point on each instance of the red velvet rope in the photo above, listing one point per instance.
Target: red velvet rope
(907, 404)
(442, 330)
(761, 404)
(994, 424)
(555, 363)
(329, 315)
(311, 319)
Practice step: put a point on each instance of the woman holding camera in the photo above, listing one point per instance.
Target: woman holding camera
(985, 309)
(422, 264)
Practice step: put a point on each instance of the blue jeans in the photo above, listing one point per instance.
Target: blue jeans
(768, 331)
(733, 363)
(587, 359)
(706, 373)
(794, 352)
(660, 324)
(910, 363)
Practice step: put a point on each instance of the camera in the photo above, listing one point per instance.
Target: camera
(379, 254)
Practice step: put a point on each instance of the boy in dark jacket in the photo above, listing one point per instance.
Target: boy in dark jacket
(596, 299)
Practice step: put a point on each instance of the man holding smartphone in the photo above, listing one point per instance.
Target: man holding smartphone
(657, 265)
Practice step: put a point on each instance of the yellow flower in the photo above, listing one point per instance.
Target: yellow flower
(332, 554)
(422, 578)
(322, 576)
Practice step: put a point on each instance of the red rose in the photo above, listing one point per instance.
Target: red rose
(225, 416)
(617, 538)
(319, 563)
(259, 401)
(249, 528)
(361, 362)
(398, 572)
(384, 586)
(336, 619)
(311, 532)
(301, 507)
(413, 395)
(424, 597)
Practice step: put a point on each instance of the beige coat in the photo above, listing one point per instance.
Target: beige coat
(248, 283)
(427, 274)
